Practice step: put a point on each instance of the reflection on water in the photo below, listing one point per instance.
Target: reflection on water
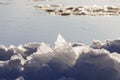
(20, 23)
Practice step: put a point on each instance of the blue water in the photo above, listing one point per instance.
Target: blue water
(21, 23)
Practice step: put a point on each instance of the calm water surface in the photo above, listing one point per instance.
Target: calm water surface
(21, 23)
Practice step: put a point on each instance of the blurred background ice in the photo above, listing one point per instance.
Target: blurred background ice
(21, 23)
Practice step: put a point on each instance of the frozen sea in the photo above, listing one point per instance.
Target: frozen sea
(21, 23)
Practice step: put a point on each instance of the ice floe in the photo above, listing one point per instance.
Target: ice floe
(94, 10)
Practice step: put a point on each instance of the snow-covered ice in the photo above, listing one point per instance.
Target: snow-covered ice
(64, 61)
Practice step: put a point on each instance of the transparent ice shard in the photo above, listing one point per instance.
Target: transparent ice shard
(43, 49)
(43, 55)
(64, 51)
(60, 41)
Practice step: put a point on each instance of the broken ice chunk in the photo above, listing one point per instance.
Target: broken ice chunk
(60, 41)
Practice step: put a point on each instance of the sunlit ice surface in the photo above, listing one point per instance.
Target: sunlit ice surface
(64, 61)
(82, 55)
